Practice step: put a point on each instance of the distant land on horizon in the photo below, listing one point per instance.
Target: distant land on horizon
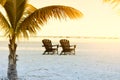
(84, 37)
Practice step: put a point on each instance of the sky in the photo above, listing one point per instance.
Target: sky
(99, 19)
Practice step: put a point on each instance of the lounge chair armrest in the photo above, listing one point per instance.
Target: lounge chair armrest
(73, 46)
(60, 46)
(55, 45)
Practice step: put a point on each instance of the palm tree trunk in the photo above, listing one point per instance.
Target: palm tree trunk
(12, 58)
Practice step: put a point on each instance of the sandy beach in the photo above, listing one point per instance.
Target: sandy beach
(94, 60)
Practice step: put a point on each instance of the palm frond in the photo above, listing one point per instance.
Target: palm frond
(37, 19)
(114, 2)
(2, 2)
(30, 27)
(29, 9)
(14, 9)
(4, 25)
(58, 11)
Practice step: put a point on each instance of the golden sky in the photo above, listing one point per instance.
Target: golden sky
(99, 19)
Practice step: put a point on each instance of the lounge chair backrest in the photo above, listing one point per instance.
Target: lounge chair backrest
(65, 44)
(47, 44)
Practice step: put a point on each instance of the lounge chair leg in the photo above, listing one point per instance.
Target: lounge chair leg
(48, 53)
(44, 53)
(57, 51)
(65, 53)
(53, 52)
(61, 53)
(70, 53)
(74, 52)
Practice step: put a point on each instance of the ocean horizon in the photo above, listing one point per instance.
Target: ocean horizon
(36, 38)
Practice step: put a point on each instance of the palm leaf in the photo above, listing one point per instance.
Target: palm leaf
(34, 22)
(2, 2)
(14, 9)
(114, 2)
(4, 25)
(29, 9)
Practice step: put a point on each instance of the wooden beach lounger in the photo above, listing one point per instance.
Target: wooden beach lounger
(49, 47)
(66, 47)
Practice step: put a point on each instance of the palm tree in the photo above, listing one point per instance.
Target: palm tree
(22, 20)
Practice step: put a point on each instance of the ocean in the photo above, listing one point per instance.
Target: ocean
(95, 59)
